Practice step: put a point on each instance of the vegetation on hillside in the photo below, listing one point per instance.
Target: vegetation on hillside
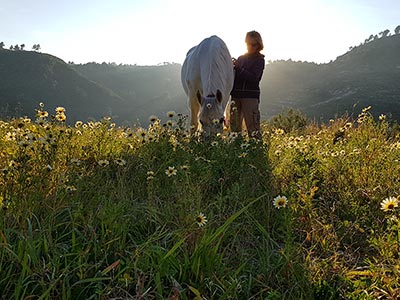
(367, 74)
(97, 211)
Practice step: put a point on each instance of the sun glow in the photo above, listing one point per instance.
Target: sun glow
(162, 31)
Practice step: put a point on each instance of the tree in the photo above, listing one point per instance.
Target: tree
(386, 33)
(11, 47)
(397, 30)
(2, 45)
(22, 47)
(16, 47)
(36, 47)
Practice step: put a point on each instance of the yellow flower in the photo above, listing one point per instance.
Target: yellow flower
(78, 124)
(42, 114)
(60, 110)
(153, 118)
(103, 162)
(70, 189)
(280, 201)
(348, 125)
(184, 168)
(201, 220)
(150, 175)
(171, 114)
(120, 162)
(61, 117)
(279, 131)
(171, 171)
(389, 204)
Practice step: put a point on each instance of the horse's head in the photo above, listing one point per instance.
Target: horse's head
(211, 113)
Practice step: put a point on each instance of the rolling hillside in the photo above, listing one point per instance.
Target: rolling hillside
(28, 78)
(367, 75)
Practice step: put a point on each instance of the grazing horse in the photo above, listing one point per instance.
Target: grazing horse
(207, 78)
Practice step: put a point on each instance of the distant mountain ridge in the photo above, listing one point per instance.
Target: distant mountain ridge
(366, 75)
(28, 78)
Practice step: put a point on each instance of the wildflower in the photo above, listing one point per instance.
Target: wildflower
(278, 152)
(142, 133)
(49, 168)
(382, 117)
(120, 162)
(389, 204)
(280, 201)
(70, 189)
(171, 114)
(214, 143)
(184, 168)
(170, 123)
(103, 162)
(60, 110)
(279, 131)
(42, 114)
(348, 125)
(78, 124)
(303, 149)
(10, 136)
(171, 171)
(61, 117)
(201, 220)
(41, 104)
(150, 175)
(153, 118)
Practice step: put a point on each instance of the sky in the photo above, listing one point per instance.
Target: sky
(151, 32)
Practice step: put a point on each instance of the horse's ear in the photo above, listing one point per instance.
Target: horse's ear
(219, 96)
(198, 96)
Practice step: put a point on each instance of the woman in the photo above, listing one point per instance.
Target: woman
(246, 88)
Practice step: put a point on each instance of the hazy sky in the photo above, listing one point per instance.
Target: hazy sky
(148, 32)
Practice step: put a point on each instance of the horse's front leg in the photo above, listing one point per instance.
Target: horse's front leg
(194, 118)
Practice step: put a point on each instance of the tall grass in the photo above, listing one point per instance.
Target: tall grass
(96, 211)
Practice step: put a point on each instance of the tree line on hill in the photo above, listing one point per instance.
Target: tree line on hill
(20, 47)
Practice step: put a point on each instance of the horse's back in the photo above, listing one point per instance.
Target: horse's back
(207, 67)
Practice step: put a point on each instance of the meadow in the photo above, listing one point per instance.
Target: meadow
(97, 211)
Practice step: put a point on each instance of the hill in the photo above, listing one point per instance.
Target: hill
(366, 75)
(148, 90)
(28, 78)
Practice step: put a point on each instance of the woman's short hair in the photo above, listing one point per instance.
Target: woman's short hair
(257, 37)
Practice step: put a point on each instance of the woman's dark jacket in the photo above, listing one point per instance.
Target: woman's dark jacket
(248, 72)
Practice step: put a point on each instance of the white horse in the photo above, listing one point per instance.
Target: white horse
(207, 77)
